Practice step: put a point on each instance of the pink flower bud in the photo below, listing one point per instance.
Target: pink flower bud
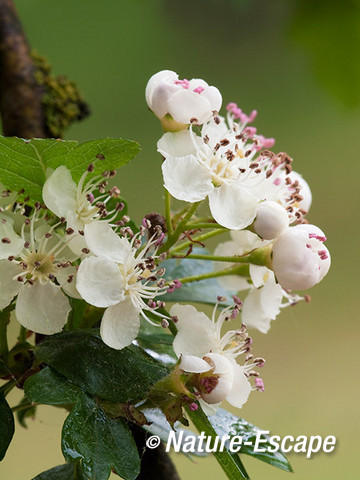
(300, 259)
(186, 101)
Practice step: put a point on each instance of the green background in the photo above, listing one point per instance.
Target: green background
(298, 64)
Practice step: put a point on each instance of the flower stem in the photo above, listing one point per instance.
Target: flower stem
(194, 226)
(25, 406)
(259, 256)
(4, 319)
(198, 238)
(169, 225)
(22, 334)
(180, 228)
(242, 270)
(7, 387)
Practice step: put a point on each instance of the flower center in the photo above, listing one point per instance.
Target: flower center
(39, 265)
(221, 170)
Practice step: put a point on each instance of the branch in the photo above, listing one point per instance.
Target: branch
(155, 464)
(20, 95)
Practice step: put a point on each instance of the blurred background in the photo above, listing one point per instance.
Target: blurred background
(298, 64)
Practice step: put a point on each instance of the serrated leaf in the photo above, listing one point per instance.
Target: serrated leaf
(225, 423)
(24, 162)
(229, 462)
(204, 291)
(116, 375)
(101, 442)
(7, 426)
(49, 388)
(69, 471)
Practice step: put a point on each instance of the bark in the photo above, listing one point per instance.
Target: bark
(155, 464)
(20, 95)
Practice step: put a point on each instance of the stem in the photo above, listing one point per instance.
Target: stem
(17, 408)
(7, 387)
(198, 238)
(180, 228)
(259, 256)
(168, 213)
(22, 334)
(4, 319)
(242, 270)
(194, 226)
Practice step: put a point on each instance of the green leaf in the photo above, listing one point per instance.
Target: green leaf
(162, 428)
(229, 462)
(157, 345)
(116, 375)
(24, 162)
(69, 471)
(204, 291)
(101, 442)
(25, 413)
(226, 423)
(49, 388)
(105, 154)
(7, 426)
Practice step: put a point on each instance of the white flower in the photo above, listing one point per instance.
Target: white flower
(185, 101)
(265, 298)
(208, 166)
(76, 203)
(29, 265)
(202, 349)
(119, 279)
(271, 220)
(300, 258)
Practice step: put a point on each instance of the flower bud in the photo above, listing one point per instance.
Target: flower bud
(300, 259)
(177, 103)
(271, 220)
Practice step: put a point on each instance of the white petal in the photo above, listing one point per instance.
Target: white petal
(186, 179)
(233, 206)
(260, 275)
(220, 392)
(305, 191)
(179, 144)
(104, 242)
(241, 388)
(63, 275)
(196, 332)
(7, 233)
(42, 308)
(214, 97)
(223, 366)
(120, 324)
(59, 192)
(8, 286)
(155, 81)
(186, 106)
(100, 282)
(214, 131)
(193, 364)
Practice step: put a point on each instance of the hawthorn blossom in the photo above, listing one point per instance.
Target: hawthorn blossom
(183, 101)
(121, 279)
(36, 266)
(203, 350)
(77, 203)
(225, 165)
(265, 298)
(300, 258)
